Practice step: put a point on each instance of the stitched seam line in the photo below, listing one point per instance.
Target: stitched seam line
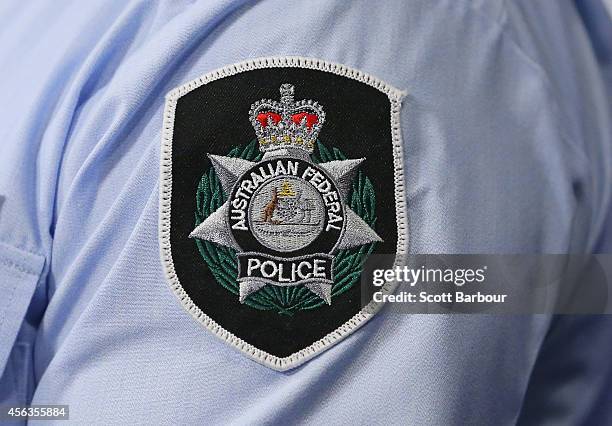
(13, 246)
(4, 310)
(17, 267)
(395, 96)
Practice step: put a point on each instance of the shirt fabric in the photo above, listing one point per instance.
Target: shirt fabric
(507, 149)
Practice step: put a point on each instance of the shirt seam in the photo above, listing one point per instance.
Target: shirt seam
(5, 309)
(16, 266)
(14, 246)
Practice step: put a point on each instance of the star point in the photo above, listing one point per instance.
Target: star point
(343, 172)
(229, 169)
(248, 287)
(356, 232)
(321, 289)
(214, 228)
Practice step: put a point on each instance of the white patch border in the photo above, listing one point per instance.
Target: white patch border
(165, 194)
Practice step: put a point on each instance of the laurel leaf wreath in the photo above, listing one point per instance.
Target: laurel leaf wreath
(221, 260)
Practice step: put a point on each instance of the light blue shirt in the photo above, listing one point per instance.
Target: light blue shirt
(507, 143)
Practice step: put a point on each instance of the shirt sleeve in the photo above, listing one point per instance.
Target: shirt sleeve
(26, 203)
(20, 271)
(35, 118)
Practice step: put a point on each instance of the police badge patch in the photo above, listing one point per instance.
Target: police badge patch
(279, 177)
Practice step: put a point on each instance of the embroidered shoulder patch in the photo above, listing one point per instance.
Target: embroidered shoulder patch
(279, 177)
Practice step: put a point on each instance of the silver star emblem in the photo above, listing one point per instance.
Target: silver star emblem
(229, 169)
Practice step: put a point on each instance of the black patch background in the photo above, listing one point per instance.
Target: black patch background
(213, 119)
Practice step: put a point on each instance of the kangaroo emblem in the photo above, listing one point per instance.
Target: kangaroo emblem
(268, 210)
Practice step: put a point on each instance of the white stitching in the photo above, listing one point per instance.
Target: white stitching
(165, 194)
(17, 267)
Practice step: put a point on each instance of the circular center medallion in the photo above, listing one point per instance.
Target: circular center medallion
(286, 205)
(286, 214)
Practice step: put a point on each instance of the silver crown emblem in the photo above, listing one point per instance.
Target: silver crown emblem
(286, 123)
